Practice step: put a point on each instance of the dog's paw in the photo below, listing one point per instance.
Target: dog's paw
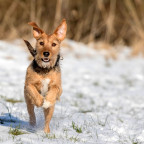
(39, 103)
(46, 104)
(47, 129)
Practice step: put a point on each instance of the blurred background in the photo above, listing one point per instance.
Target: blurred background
(116, 22)
(102, 65)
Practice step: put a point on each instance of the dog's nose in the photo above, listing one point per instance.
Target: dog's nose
(46, 54)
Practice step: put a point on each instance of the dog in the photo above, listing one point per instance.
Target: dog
(43, 76)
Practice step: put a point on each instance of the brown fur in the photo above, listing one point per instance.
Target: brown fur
(40, 70)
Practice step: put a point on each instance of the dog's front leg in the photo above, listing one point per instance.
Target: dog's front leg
(49, 103)
(48, 115)
(51, 96)
(36, 97)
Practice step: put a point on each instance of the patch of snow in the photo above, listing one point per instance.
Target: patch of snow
(102, 100)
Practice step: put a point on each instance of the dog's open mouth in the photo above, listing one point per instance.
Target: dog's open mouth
(45, 59)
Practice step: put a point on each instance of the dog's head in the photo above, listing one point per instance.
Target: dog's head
(48, 46)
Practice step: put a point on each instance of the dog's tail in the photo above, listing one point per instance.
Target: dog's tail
(31, 49)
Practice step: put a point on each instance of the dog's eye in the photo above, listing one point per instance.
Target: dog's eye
(53, 44)
(41, 43)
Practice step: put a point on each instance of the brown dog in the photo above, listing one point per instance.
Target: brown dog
(43, 77)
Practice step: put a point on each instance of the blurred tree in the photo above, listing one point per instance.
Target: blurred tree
(112, 21)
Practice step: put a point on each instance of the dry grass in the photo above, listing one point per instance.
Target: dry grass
(111, 21)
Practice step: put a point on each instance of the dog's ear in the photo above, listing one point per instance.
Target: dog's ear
(36, 30)
(60, 31)
(31, 49)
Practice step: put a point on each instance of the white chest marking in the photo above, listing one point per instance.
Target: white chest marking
(44, 87)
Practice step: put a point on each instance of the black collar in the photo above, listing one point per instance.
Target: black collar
(39, 69)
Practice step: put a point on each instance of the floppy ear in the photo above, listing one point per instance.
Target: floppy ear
(31, 49)
(60, 32)
(36, 30)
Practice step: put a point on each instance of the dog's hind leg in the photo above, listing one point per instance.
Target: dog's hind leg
(30, 108)
(48, 115)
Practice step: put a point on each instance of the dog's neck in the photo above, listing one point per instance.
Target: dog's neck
(42, 70)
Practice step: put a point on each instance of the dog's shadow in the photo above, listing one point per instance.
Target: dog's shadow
(8, 120)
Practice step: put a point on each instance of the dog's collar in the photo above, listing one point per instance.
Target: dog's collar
(39, 69)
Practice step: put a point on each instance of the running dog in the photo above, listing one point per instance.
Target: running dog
(43, 77)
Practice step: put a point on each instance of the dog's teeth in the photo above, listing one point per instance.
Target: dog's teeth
(45, 60)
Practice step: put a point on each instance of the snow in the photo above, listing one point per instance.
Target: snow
(103, 98)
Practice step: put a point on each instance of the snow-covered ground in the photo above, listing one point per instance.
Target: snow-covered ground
(102, 100)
